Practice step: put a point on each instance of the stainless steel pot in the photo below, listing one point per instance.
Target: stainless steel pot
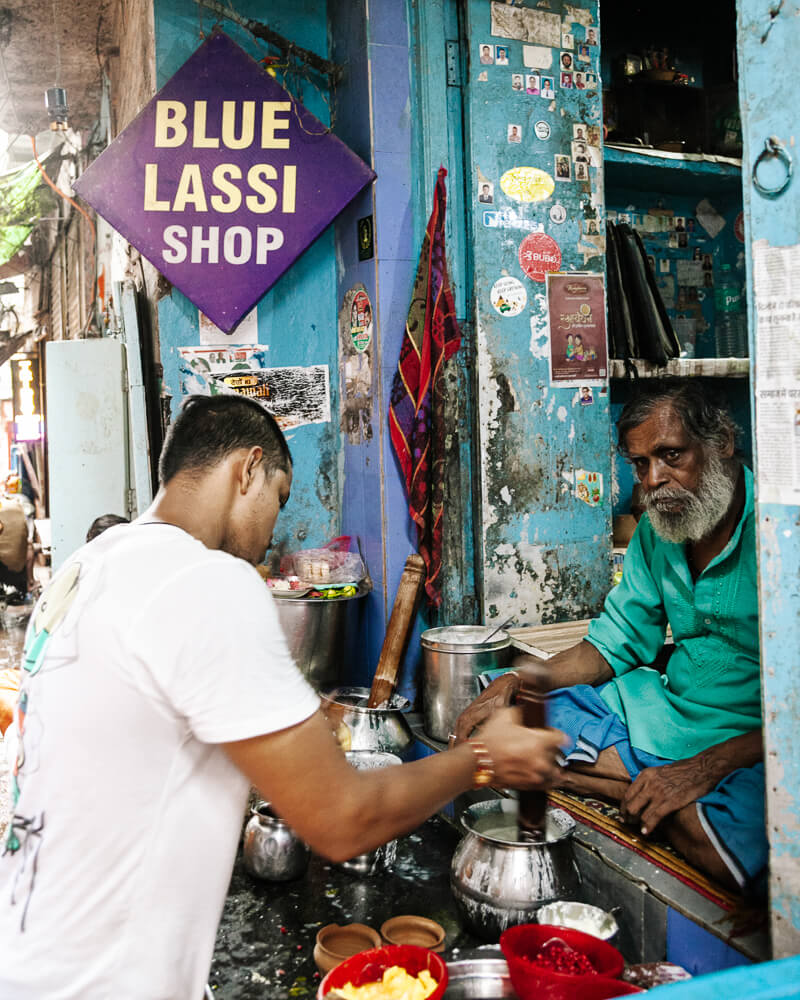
(271, 849)
(453, 657)
(498, 881)
(384, 729)
(321, 633)
(381, 858)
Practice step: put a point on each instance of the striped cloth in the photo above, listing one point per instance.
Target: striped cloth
(416, 412)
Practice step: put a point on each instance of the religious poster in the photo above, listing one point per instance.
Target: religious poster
(577, 313)
(294, 395)
(223, 180)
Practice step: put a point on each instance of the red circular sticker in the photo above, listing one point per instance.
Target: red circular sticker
(738, 227)
(538, 254)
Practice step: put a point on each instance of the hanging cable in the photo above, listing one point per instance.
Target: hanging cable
(85, 214)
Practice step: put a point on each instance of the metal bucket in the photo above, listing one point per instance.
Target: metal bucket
(322, 634)
(453, 657)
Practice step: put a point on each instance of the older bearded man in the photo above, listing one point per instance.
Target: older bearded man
(679, 750)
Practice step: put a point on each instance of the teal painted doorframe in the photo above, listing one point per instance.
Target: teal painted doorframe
(769, 36)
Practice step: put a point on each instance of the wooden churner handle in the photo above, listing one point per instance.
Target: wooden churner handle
(533, 804)
(394, 644)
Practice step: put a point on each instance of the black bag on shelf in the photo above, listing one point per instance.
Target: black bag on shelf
(622, 336)
(653, 337)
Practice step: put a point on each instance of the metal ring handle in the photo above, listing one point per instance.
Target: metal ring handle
(773, 147)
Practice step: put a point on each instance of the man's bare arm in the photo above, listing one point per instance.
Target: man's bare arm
(341, 812)
(659, 791)
(580, 664)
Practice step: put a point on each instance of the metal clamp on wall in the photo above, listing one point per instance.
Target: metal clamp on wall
(773, 147)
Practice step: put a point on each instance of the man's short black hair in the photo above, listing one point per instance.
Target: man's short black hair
(102, 523)
(209, 428)
(705, 418)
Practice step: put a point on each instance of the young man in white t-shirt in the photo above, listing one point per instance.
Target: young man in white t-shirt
(157, 687)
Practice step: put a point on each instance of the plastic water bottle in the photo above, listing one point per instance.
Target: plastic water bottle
(730, 327)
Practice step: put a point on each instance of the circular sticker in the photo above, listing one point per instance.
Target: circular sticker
(527, 184)
(558, 213)
(508, 296)
(738, 227)
(538, 254)
(542, 130)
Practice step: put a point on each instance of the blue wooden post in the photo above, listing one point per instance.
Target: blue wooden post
(768, 37)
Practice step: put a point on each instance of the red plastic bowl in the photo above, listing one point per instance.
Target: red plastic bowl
(369, 967)
(521, 945)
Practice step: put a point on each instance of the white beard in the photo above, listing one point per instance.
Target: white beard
(701, 511)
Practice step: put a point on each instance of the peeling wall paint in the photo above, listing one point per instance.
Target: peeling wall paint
(539, 541)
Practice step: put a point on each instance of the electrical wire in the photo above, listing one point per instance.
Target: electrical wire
(85, 214)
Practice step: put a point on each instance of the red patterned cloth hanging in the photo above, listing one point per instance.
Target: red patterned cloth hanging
(416, 412)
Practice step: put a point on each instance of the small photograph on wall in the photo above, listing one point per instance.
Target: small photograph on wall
(581, 171)
(580, 152)
(593, 134)
(563, 169)
(515, 133)
(590, 226)
(591, 36)
(532, 84)
(516, 82)
(486, 193)
(548, 88)
(579, 132)
(567, 40)
(565, 63)
(580, 82)
(583, 53)
(590, 79)
(487, 55)
(501, 55)
(566, 81)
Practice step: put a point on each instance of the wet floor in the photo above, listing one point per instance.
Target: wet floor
(13, 622)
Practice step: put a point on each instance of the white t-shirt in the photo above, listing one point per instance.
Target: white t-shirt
(146, 652)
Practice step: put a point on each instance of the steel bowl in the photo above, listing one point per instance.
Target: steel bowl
(579, 917)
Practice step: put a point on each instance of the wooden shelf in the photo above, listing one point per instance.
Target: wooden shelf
(657, 170)
(707, 367)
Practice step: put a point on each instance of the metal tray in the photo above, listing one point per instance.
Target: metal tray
(479, 979)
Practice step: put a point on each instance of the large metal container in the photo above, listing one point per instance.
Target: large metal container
(453, 657)
(271, 849)
(499, 881)
(322, 634)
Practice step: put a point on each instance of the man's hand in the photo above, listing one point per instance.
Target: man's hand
(523, 758)
(497, 695)
(659, 791)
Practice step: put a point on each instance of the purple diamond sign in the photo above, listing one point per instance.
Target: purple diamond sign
(223, 180)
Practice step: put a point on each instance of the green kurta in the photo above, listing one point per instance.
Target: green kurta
(711, 690)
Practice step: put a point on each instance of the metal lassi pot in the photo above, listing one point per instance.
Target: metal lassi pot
(499, 881)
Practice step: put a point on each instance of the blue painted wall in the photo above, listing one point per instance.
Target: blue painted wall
(297, 317)
(545, 554)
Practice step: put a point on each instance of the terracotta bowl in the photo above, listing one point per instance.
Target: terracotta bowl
(337, 942)
(410, 929)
